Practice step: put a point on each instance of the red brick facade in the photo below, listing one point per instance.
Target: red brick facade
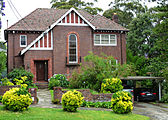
(52, 47)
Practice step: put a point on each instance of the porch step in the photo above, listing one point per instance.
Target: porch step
(42, 85)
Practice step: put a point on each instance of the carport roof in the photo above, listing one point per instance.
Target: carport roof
(138, 78)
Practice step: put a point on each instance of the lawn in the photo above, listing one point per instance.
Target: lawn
(59, 114)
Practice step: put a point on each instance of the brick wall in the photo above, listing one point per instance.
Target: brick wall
(88, 96)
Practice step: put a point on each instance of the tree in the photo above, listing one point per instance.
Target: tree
(140, 39)
(77, 4)
(126, 10)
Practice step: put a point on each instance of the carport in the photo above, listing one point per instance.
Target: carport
(141, 78)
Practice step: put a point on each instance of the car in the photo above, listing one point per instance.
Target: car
(146, 96)
(129, 90)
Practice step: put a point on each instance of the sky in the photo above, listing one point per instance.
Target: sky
(25, 7)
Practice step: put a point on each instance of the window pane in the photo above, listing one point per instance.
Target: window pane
(97, 39)
(72, 48)
(23, 40)
(112, 39)
(112, 42)
(104, 39)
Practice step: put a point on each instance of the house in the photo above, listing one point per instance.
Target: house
(52, 41)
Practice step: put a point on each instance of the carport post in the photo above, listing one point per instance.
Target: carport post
(159, 91)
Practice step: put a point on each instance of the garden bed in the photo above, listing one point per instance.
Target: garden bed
(88, 96)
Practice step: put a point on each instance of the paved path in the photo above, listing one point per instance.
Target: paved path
(155, 112)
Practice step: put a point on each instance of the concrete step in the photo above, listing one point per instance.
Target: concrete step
(42, 85)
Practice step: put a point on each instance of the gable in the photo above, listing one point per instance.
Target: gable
(44, 43)
(73, 19)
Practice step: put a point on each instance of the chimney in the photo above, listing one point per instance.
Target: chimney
(115, 17)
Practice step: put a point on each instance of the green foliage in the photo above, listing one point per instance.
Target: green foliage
(138, 63)
(71, 100)
(140, 39)
(97, 69)
(0, 99)
(58, 80)
(20, 72)
(126, 10)
(96, 104)
(16, 99)
(111, 85)
(121, 102)
(6, 82)
(2, 62)
(77, 4)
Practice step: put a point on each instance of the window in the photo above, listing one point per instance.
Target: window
(73, 57)
(23, 40)
(105, 40)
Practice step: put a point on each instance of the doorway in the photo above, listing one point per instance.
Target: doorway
(41, 71)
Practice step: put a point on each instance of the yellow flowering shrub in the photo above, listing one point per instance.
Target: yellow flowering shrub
(14, 100)
(71, 100)
(111, 85)
(121, 102)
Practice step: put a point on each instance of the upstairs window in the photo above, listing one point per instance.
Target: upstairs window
(23, 40)
(73, 56)
(105, 40)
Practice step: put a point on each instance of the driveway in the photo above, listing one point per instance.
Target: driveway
(155, 112)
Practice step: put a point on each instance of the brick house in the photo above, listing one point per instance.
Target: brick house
(52, 41)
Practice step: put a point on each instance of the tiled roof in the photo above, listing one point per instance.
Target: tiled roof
(41, 18)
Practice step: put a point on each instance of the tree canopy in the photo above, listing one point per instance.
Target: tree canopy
(77, 4)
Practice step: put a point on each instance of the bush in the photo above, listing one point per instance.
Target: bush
(98, 68)
(6, 82)
(58, 80)
(17, 99)
(121, 102)
(0, 98)
(111, 85)
(71, 100)
(96, 104)
(20, 72)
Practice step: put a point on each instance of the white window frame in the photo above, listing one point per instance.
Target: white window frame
(76, 49)
(25, 40)
(105, 44)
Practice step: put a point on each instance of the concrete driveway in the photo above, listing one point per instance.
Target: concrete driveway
(155, 112)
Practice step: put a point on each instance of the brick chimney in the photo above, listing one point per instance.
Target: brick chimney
(115, 17)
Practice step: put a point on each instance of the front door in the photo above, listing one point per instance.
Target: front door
(41, 70)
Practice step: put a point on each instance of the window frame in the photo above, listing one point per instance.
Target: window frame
(108, 40)
(25, 40)
(72, 62)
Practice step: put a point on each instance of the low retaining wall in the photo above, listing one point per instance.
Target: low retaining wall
(3, 89)
(88, 96)
(32, 91)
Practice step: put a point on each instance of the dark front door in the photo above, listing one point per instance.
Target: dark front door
(41, 70)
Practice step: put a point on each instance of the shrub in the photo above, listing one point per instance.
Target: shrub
(0, 98)
(71, 100)
(96, 104)
(20, 72)
(6, 82)
(58, 80)
(17, 99)
(111, 85)
(98, 68)
(121, 102)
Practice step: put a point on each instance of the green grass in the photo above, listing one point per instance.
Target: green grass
(52, 94)
(58, 114)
